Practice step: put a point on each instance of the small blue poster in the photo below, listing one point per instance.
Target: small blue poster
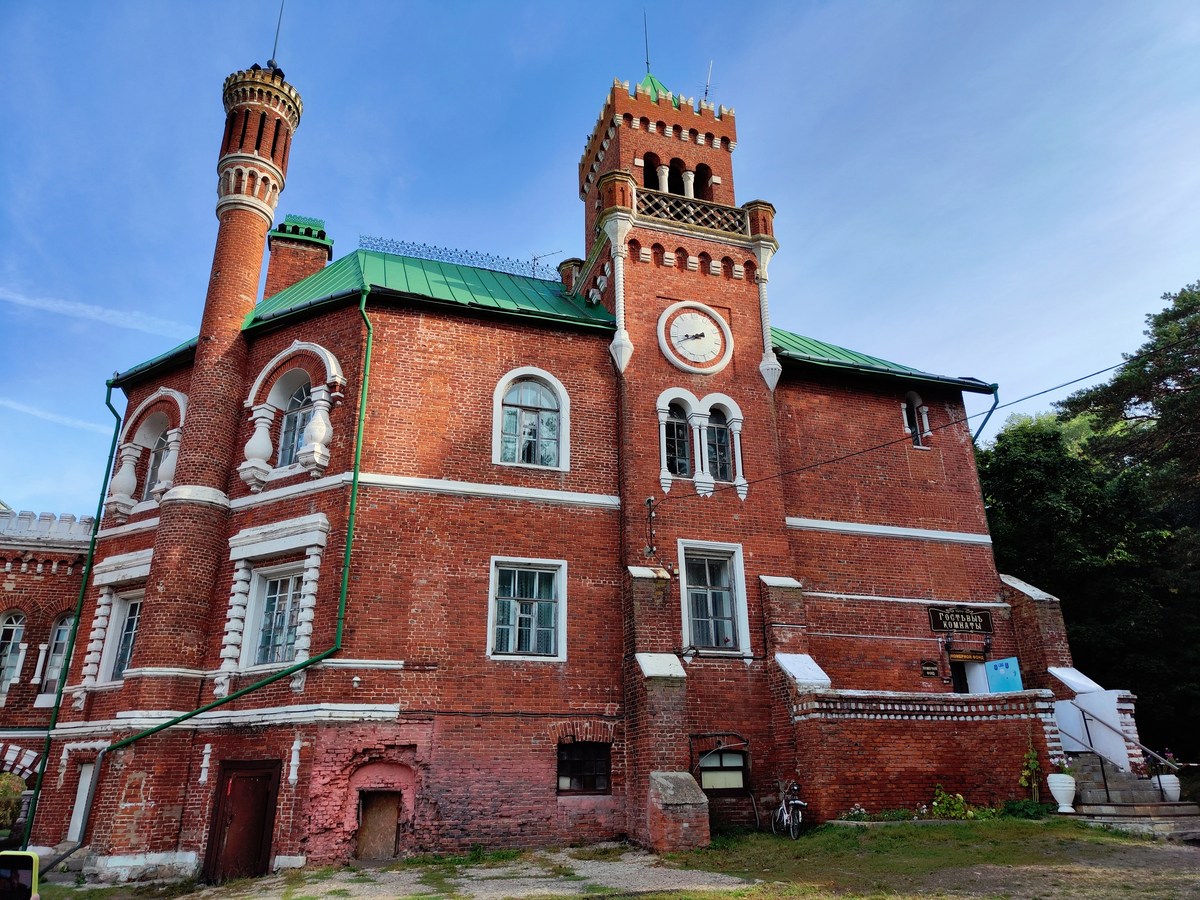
(1003, 675)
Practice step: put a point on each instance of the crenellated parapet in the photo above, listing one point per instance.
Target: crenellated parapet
(46, 531)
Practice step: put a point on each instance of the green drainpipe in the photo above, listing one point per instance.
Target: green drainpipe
(291, 670)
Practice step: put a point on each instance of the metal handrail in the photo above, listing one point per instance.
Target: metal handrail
(1144, 748)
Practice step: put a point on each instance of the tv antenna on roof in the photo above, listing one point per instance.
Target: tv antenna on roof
(271, 62)
(537, 256)
(708, 80)
(646, 31)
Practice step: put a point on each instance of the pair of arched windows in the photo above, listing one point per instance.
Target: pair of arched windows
(700, 440)
(531, 420)
(12, 633)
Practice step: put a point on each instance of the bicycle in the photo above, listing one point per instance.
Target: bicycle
(791, 811)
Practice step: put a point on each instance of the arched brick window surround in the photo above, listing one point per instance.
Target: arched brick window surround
(161, 413)
(698, 411)
(564, 416)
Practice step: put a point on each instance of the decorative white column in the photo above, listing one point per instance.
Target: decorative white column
(308, 612)
(664, 474)
(257, 467)
(204, 763)
(664, 175)
(689, 184)
(617, 225)
(294, 763)
(739, 481)
(37, 669)
(314, 455)
(924, 411)
(769, 367)
(120, 491)
(166, 470)
(703, 478)
(235, 626)
(95, 647)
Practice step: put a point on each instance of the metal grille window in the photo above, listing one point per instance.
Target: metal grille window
(529, 430)
(295, 420)
(11, 632)
(156, 458)
(584, 767)
(59, 635)
(718, 447)
(723, 770)
(133, 612)
(679, 442)
(526, 611)
(711, 602)
(280, 618)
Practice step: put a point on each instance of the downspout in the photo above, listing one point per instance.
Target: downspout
(291, 670)
(995, 402)
(87, 572)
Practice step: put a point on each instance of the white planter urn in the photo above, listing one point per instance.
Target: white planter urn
(1169, 785)
(1063, 789)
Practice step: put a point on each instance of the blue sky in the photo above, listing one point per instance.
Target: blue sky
(1001, 190)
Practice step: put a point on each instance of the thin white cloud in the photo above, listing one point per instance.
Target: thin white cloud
(119, 317)
(54, 417)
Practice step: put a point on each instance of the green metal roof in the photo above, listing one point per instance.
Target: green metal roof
(808, 350)
(172, 356)
(656, 89)
(441, 282)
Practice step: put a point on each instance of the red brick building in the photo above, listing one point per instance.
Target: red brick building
(621, 555)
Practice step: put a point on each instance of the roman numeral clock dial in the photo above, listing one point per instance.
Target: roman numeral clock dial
(695, 338)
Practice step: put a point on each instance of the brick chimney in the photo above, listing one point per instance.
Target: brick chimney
(299, 248)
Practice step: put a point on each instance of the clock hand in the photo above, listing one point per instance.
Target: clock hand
(692, 337)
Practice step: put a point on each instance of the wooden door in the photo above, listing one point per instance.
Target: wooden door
(378, 824)
(243, 816)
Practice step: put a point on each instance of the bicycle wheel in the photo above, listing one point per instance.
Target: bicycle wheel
(777, 824)
(794, 823)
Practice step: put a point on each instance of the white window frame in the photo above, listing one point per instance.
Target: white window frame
(112, 639)
(741, 607)
(46, 694)
(560, 565)
(254, 610)
(564, 418)
(698, 411)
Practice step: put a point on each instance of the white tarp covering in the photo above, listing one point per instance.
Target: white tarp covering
(803, 670)
(1074, 679)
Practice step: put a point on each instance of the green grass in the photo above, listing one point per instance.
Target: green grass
(118, 892)
(600, 854)
(899, 857)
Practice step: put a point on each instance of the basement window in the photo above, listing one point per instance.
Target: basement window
(584, 767)
(723, 770)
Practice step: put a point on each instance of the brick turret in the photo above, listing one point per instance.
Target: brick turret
(299, 248)
(262, 112)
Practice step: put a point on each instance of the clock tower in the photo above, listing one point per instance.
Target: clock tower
(683, 269)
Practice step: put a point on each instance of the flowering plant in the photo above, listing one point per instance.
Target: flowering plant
(1061, 765)
(856, 813)
(1170, 757)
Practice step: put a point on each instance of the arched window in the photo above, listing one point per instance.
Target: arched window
(679, 442)
(157, 453)
(12, 629)
(295, 419)
(56, 655)
(916, 419)
(702, 187)
(529, 430)
(650, 164)
(719, 458)
(675, 177)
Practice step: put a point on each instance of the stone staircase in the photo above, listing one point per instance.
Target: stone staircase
(1130, 803)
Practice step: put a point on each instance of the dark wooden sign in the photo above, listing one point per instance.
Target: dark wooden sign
(929, 668)
(967, 656)
(959, 618)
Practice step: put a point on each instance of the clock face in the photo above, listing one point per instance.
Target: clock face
(695, 338)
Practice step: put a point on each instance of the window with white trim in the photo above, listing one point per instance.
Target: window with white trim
(12, 629)
(531, 420)
(679, 442)
(273, 616)
(527, 609)
(121, 636)
(916, 419)
(295, 419)
(717, 443)
(56, 653)
(713, 597)
(700, 439)
(157, 453)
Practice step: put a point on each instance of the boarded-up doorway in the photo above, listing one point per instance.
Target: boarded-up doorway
(378, 824)
(239, 842)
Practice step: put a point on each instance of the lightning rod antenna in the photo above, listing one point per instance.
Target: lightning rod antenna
(271, 62)
(646, 31)
(708, 81)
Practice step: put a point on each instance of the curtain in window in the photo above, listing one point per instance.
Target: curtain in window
(526, 612)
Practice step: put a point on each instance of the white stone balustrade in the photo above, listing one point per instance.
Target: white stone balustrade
(259, 449)
(121, 489)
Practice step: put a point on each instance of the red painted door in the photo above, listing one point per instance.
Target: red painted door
(244, 815)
